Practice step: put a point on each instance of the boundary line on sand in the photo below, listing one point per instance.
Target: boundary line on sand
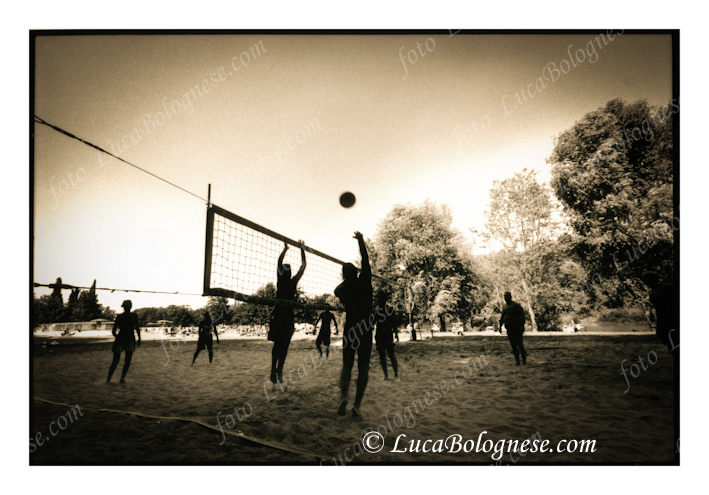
(238, 434)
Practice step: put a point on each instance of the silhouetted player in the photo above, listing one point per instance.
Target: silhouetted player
(324, 336)
(513, 318)
(126, 323)
(206, 326)
(662, 298)
(356, 295)
(283, 321)
(386, 326)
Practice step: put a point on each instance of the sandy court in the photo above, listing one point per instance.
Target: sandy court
(572, 388)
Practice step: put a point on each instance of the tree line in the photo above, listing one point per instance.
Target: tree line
(82, 305)
(571, 248)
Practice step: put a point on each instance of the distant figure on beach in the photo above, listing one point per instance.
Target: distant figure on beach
(126, 323)
(662, 297)
(326, 317)
(513, 318)
(206, 327)
(356, 295)
(386, 327)
(283, 319)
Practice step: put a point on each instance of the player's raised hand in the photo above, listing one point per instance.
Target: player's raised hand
(358, 235)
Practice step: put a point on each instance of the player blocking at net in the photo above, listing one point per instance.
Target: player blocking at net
(356, 296)
(283, 320)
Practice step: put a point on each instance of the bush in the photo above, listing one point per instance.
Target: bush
(547, 310)
(620, 315)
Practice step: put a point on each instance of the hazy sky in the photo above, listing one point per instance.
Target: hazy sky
(303, 119)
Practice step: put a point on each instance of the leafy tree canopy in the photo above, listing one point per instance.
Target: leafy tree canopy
(422, 259)
(613, 173)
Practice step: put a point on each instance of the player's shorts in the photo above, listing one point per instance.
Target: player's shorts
(383, 346)
(282, 325)
(127, 345)
(205, 341)
(515, 338)
(323, 339)
(354, 340)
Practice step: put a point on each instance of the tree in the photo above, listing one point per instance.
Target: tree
(72, 305)
(218, 307)
(420, 258)
(56, 310)
(521, 221)
(46, 309)
(255, 314)
(87, 305)
(613, 173)
(109, 314)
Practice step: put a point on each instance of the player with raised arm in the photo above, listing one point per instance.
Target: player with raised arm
(126, 323)
(283, 320)
(324, 336)
(356, 295)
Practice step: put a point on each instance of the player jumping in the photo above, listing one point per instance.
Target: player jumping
(356, 295)
(283, 321)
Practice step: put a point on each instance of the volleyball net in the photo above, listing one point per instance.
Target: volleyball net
(241, 260)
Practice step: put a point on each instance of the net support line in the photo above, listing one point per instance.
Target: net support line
(69, 286)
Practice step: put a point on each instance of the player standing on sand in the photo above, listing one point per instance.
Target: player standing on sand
(513, 318)
(386, 325)
(356, 295)
(206, 326)
(126, 323)
(324, 336)
(283, 320)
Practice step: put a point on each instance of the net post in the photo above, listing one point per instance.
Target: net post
(206, 290)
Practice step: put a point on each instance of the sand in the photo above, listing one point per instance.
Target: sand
(572, 388)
